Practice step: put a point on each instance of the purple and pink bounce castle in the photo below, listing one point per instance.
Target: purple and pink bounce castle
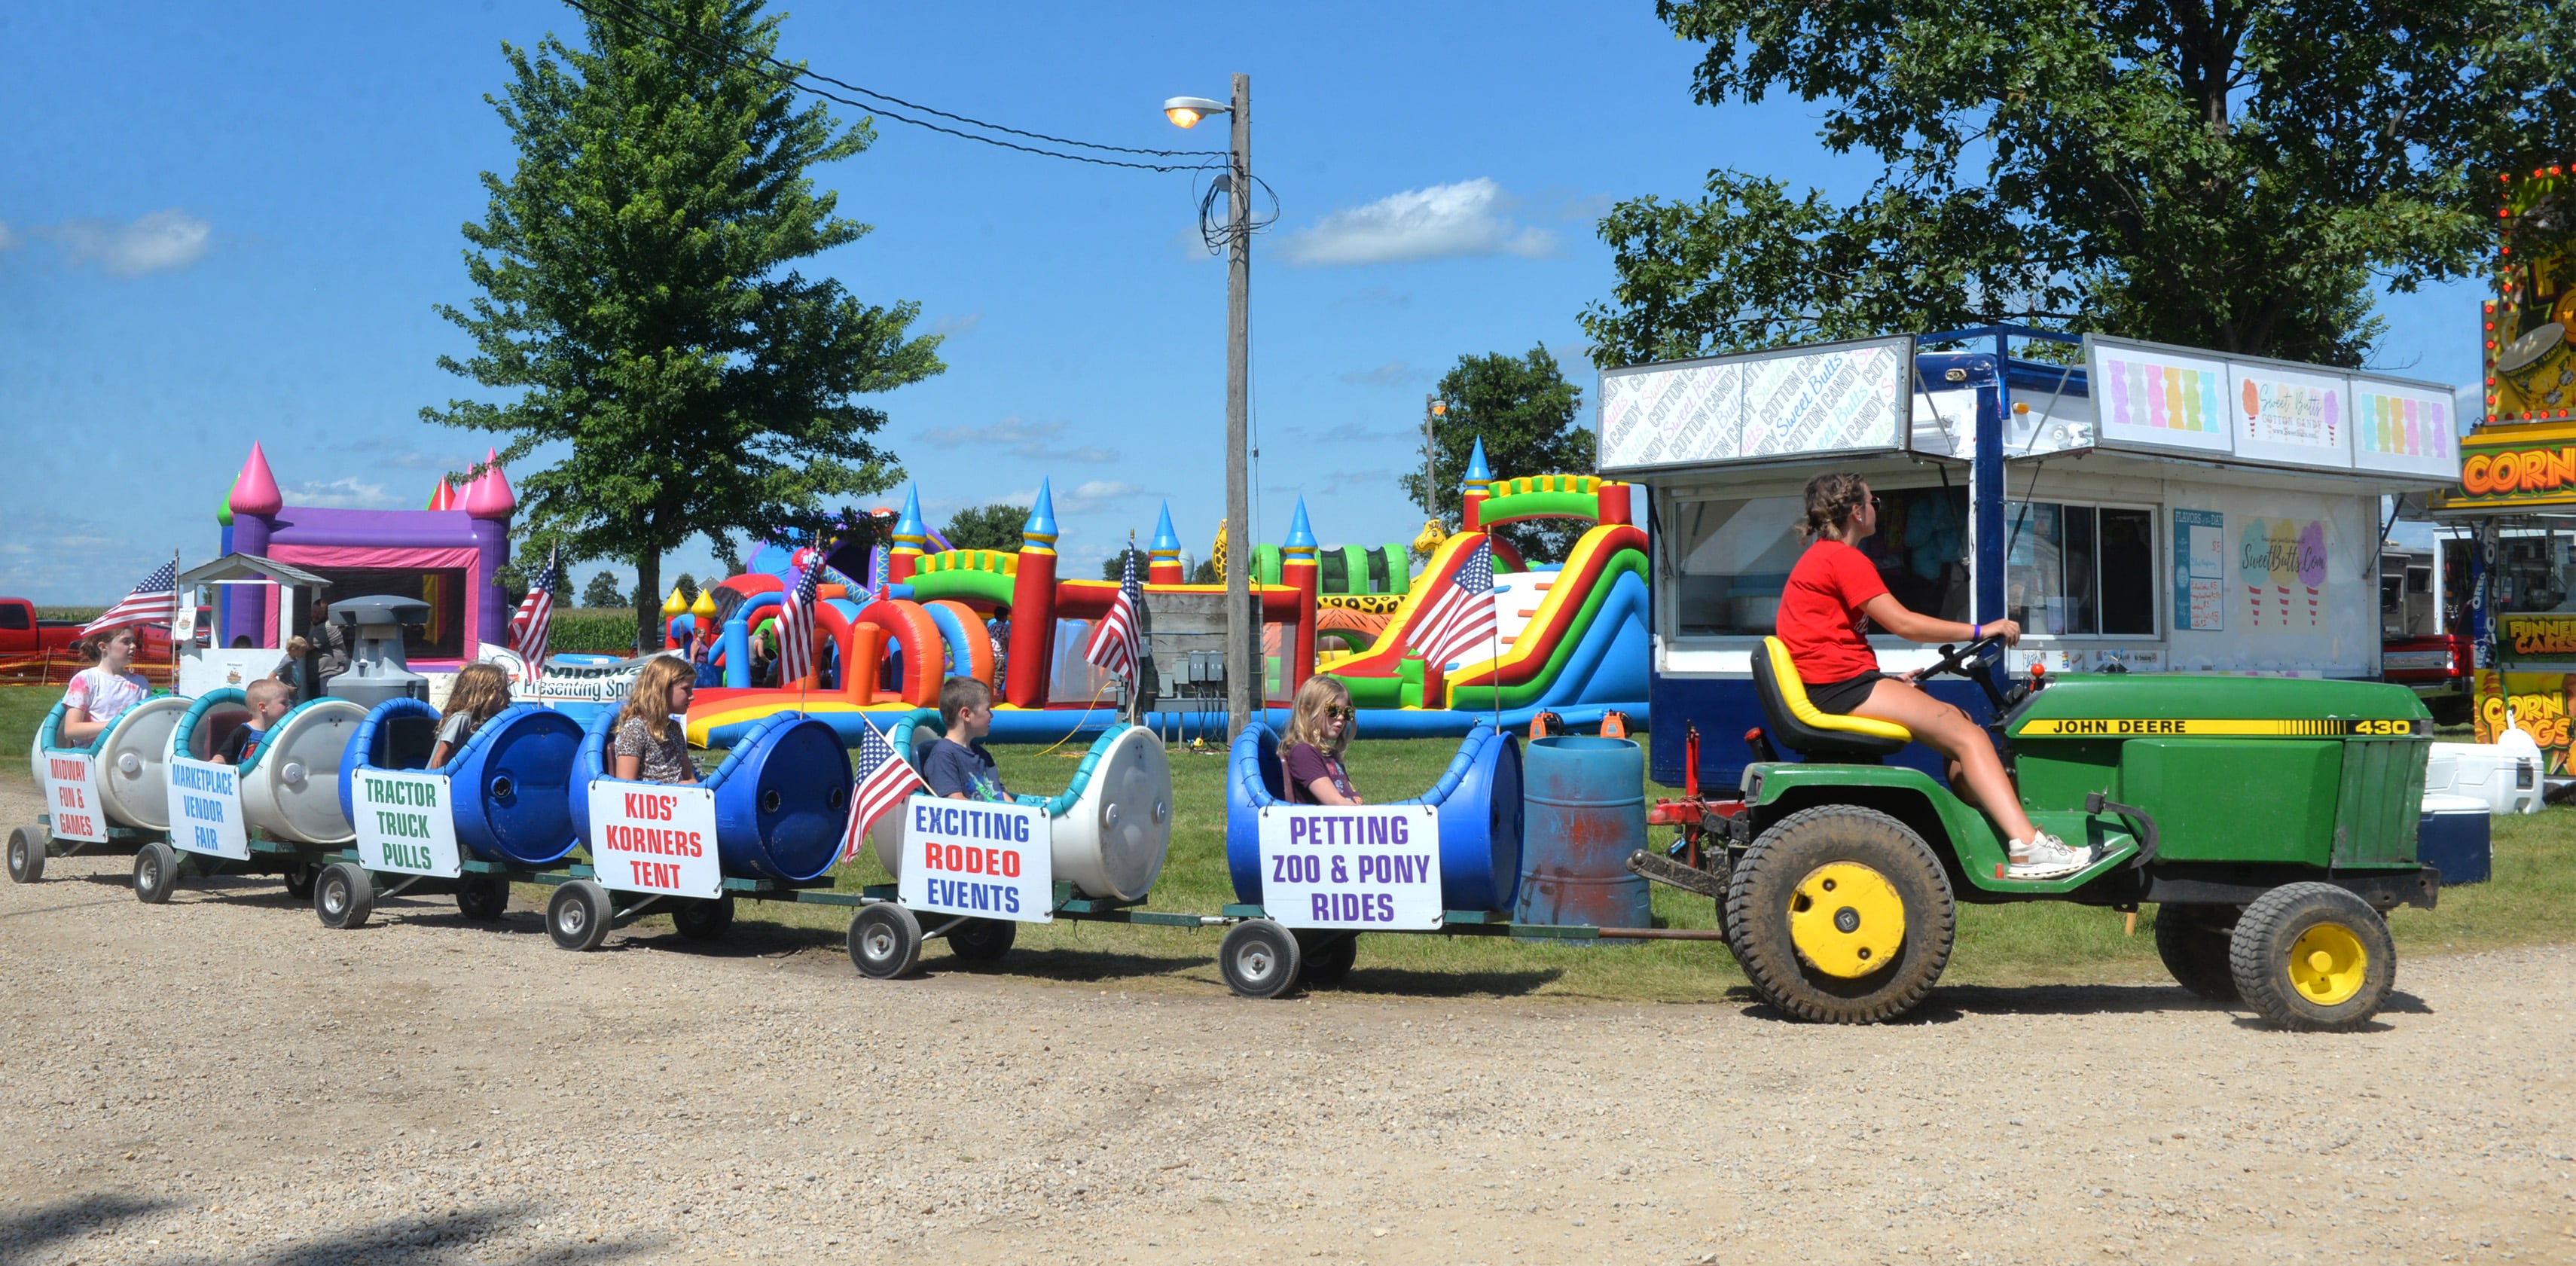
(446, 555)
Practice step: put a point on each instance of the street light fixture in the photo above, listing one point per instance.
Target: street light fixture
(1243, 680)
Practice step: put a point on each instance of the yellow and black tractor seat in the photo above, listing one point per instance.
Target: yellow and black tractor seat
(1811, 731)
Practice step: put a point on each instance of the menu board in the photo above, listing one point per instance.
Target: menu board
(1828, 398)
(2149, 396)
(2157, 397)
(2405, 429)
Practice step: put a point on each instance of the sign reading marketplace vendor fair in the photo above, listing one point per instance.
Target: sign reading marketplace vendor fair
(405, 823)
(991, 861)
(649, 837)
(1363, 867)
(205, 809)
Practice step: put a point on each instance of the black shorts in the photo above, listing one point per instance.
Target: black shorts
(1840, 697)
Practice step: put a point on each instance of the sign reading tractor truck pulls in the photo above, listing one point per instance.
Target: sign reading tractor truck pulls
(405, 824)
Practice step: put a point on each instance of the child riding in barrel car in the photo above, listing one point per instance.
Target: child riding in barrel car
(1832, 597)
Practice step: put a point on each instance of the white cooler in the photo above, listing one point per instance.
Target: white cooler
(2506, 776)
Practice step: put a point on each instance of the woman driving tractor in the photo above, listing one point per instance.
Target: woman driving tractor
(1833, 595)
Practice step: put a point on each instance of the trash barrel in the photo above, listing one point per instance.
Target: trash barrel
(1586, 801)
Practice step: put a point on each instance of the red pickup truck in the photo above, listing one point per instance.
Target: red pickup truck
(23, 635)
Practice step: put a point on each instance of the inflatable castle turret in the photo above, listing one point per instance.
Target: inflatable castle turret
(1163, 561)
(904, 550)
(1033, 605)
(1480, 479)
(1297, 569)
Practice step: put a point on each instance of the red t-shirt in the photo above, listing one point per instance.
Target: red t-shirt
(1820, 617)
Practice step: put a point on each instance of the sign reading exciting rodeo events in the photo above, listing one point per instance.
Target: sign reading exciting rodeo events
(205, 809)
(647, 837)
(71, 797)
(405, 823)
(992, 861)
(1325, 866)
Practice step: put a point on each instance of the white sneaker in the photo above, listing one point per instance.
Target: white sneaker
(2045, 857)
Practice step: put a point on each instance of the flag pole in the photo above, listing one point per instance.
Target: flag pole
(174, 621)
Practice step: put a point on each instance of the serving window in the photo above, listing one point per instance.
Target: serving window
(1730, 557)
(2074, 570)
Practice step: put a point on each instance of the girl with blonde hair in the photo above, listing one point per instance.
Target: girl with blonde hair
(1319, 727)
(480, 692)
(101, 693)
(649, 745)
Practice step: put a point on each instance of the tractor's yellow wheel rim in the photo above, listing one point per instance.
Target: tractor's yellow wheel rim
(1847, 919)
(2327, 964)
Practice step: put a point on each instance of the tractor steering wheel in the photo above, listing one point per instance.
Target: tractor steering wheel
(1976, 662)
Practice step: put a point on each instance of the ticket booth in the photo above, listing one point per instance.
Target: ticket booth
(2136, 507)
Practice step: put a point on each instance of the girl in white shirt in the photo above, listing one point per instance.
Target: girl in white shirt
(99, 695)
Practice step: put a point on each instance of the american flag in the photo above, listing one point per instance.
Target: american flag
(1464, 613)
(154, 601)
(796, 626)
(884, 780)
(1113, 640)
(536, 614)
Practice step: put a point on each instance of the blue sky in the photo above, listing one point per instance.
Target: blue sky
(222, 226)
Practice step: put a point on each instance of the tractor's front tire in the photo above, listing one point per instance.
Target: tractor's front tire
(2193, 941)
(2313, 957)
(1841, 914)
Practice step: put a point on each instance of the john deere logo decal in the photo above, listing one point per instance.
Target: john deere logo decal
(2115, 727)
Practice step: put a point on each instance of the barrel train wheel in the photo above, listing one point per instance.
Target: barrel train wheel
(704, 920)
(981, 942)
(2313, 956)
(156, 873)
(27, 848)
(344, 894)
(2193, 941)
(578, 915)
(482, 897)
(885, 941)
(1841, 914)
(1259, 959)
(299, 877)
(1327, 957)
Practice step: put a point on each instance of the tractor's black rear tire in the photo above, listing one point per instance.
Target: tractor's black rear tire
(2276, 951)
(2192, 939)
(1766, 882)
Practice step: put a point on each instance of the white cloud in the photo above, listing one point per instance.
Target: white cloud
(1391, 374)
(1020, 439)
(8, 240)
(346, 493)
(957, 326)
(157, 242)
(1439, 222)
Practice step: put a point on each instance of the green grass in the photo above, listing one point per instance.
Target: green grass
(22, 709)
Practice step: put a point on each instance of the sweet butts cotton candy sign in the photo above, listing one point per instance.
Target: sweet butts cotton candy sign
(1361, 867)
(2281, 569)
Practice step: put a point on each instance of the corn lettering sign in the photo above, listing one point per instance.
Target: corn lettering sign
(405, 823)
(647, 837)
(1363, 867)
(990, 861)
(71, 797)
(205, 809)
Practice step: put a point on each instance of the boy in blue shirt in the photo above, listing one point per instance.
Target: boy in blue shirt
(957, 766)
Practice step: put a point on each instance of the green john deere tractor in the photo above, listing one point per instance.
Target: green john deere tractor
(2271, 820)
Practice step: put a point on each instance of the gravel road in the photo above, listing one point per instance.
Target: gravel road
(221, 1080)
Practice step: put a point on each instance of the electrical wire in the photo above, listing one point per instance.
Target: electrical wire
(793, 75)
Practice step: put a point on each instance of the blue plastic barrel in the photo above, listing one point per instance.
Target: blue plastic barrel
(1587, 813)
(782, 796)
(506, 787)
(1479, 798)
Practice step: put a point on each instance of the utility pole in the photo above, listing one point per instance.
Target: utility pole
(1432, 408)
(1243, 677)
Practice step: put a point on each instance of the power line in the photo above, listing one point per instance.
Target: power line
(793, 75)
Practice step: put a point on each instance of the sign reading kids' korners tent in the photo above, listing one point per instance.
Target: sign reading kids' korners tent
(651, 837)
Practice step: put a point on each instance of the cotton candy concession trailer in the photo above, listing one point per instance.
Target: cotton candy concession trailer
(2135, 507)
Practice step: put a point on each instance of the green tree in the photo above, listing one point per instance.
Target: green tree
(514, 583)
(1114, 567)
(688, 587)
(1528, 416)
(2220, 175)
(640, 303)
(602, 591)
(995, 525)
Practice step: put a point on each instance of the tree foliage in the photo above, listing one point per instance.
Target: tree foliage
(639, 301)
(995, 525)
(1529, 418)
(2203, 172)
(602, 591)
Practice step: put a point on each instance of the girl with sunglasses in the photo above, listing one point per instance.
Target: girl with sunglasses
(1319, 727)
